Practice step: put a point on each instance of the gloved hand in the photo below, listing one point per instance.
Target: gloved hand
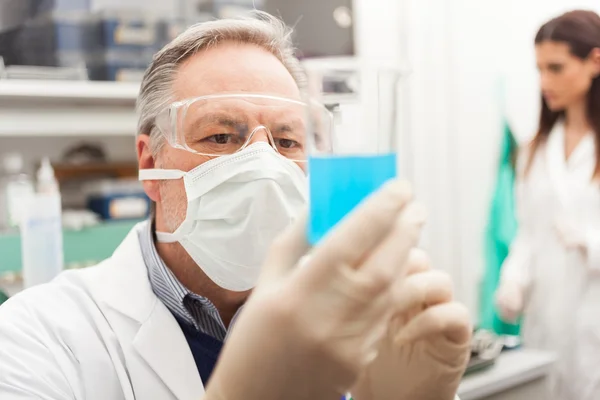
(428, 342)
(308, 331)
(571, 236)
(510, 301)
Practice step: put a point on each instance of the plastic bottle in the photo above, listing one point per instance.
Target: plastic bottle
(41, 230)
(46, 181)
(16, 187)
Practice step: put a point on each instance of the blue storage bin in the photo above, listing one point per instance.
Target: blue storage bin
(123, 65)
(133, 31)
(120, 206)
(45, 7)
(72, 34)
(44, 38)
(117, 199)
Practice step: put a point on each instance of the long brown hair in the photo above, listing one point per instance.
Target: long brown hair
(580, 30)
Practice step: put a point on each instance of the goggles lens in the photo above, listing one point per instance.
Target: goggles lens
(223, 125)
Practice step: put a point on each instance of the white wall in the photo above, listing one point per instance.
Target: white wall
(451, 115)
(460, 52)
(456, 123)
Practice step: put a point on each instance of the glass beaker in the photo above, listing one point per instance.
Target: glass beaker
(359, 154)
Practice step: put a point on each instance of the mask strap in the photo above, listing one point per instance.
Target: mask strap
(160, 174)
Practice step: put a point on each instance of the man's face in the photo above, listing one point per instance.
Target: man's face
(228, 67)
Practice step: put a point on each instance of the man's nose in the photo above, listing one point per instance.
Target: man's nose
(261, 134)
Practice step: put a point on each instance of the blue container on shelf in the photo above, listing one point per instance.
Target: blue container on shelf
(133, 31)
(61, 40)
(76, 34)
(122, 66)
(117, 199)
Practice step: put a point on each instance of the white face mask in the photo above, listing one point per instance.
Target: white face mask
(237, 205)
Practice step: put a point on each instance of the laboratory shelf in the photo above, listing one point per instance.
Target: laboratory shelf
(67, 108)
(81, 248)
(70, 91)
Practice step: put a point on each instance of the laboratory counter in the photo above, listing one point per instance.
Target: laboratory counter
(516, 375)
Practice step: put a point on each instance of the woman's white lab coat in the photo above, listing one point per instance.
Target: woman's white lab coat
(95, 334)
(562, 296)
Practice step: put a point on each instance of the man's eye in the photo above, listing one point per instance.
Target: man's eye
(221, 138)
(287, 143)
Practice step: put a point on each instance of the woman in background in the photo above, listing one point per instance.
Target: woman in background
(552, 275)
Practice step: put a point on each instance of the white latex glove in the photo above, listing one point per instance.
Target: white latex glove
(570, 235)
(428, 343)
(306, 333)
(509, 300)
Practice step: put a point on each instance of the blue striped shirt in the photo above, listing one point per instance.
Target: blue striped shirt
(190, 307)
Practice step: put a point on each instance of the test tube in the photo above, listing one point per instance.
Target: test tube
(358, 154)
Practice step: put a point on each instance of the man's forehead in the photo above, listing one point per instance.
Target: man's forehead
(239, 110)
(234, 68)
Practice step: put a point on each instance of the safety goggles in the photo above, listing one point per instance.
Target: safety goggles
(223, 124)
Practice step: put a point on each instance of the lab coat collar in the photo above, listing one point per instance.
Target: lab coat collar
(581, 155)
(557, 164)
(584, 152)
(560, 169)
(128, 288)
(159, 339)
(163, 346)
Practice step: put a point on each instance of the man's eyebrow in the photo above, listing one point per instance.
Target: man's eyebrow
(290, 121)
(218, 118)
(283, 127)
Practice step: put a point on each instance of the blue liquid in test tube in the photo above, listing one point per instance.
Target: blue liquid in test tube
(338, 183)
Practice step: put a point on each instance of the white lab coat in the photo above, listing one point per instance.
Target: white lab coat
(562, 302)
(95, 334)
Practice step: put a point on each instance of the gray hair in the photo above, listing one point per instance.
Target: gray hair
(259, 29)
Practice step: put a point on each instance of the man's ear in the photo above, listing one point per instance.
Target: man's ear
(146, 161)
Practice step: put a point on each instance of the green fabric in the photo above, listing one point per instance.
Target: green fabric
(3, 297)
(501, 229)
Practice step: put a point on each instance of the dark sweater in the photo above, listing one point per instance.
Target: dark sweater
(205, 349)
